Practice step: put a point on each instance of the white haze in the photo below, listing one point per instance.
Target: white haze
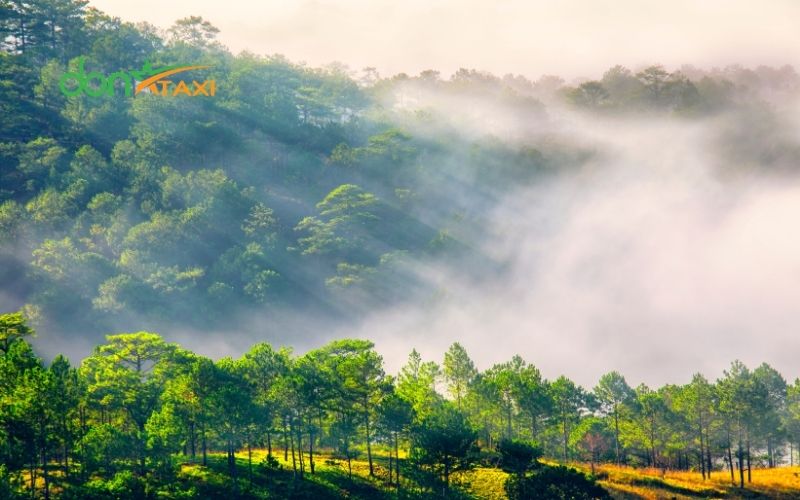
(571, 38)
(658, 258)
(649, 260)
(646, 260)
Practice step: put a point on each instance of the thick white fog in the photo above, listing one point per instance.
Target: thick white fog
(657, 260)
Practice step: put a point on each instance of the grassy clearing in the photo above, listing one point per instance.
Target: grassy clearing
(331, 480)
(626, 482)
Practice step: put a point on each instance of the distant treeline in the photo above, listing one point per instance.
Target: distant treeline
(139, 402)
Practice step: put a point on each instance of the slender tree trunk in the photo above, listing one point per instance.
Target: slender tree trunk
(509, 429)
(740, 455)
(229, 456)
(730, 455)
(397, 454)
(300, 450)
(369, 445)
(250, 461)
(269, 444)
(702, 455)
(33, 461)
(193, 440)
(66, 459)
(616, 435)
(45, 472)
(653, 441)
(142, 448)
(294, 462)
(65, 448)
(708, 454)
(770, 463)
(311, 448)
(285, 442)
(749, 475)
(391, 467)
(349, 460)
(205, 445)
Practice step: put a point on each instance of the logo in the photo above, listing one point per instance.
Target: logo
(147, 80)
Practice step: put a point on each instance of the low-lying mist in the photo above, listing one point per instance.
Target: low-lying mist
(663, 245)
(661, 256)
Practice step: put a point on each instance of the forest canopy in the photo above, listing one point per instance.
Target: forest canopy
(294, 202)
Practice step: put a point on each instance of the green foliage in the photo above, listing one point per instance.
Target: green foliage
(554, 483)
(518, 457)
(13, 327)
(459, 371)
(139, 406)
(444, 443)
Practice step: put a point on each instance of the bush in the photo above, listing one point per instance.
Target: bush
(270, 463)
(554, 483)
(123, 486)
(7, 489)
(518, 457)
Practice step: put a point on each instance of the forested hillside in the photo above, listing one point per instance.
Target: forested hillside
(325, 189)
(297, 201)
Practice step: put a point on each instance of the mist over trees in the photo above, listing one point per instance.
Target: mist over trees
(324, 194)
(294, 188)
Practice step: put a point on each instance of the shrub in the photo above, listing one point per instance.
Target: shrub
(554, 483)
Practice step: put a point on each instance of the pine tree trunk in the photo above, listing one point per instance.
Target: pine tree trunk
(193, 439)
(45, 473)
(447, 474)
(205, 447)
(311, 449)
(294, 462)
(749, 475)
(391, 467)
(702, 455)
(616, 435)
(285, 442)
(740, 453)
(250, 461)
(369, 445)
(730, 456)
(300, 451)
(397, 454)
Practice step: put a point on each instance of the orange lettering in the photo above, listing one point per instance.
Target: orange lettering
(181, 88)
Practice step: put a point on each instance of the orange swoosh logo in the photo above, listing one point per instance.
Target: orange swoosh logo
(146, 83)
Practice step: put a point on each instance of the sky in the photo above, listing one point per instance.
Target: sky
(571, 38)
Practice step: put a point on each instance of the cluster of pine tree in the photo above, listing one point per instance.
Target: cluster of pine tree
(138, 407)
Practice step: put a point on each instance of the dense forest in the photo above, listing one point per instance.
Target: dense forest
(138, 410)
(327, 193)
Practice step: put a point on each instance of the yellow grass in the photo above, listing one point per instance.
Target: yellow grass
(627, 482)
(621, 482)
